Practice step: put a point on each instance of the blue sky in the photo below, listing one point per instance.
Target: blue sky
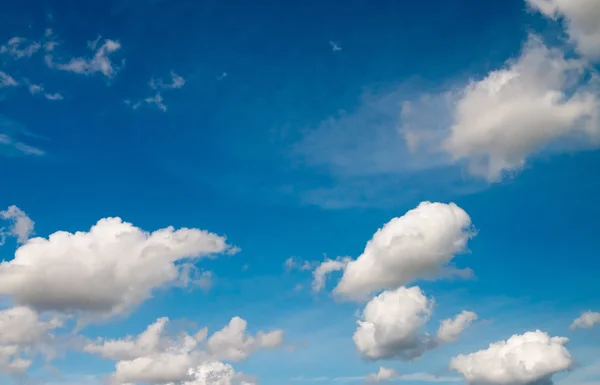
(297, 130)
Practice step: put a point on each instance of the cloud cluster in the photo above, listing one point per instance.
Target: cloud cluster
(107, 270)
(155, 357)
(417, 245)
(384, 374)
(23, 335)
(391, 324)
(99, 62)
(533, 357)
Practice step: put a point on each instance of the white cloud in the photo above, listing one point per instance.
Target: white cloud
(522, 359)
(232, 343)
(107, 270)
(586, 320)
(7, 81)
(384, 374)
(515, 111)
(296, 263)
(326, 267)
(100, 62)
(450, 329)
(53, 96)
(156, 100)
(155, 357)
(22, 336)
(19, 47)
(582, 19)
(177, 81)
(391, 323)
(21, 225)
(418, 244)
(13, 145)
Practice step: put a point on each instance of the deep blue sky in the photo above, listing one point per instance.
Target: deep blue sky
(226, 157)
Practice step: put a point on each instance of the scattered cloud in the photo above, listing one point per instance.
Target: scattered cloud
(107, 270)
(419, 244)
(155, 357)
(335, 46)
(99, 62)
(298, 264)
(581, 20)
(522, 359)
(586, 320)
(384, 374)
(10, 146)
(7, 81)
(159, 85)
(326, 267)
(450, 329)
(233, 344)
(21, 226)
(19, 47)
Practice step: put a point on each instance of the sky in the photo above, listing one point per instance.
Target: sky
(359, 192)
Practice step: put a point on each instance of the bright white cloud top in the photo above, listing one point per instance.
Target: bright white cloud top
(21, 226)
(537, 99)
(522, 359)
(156, 357)
(107, 270)
(391, 326)
(417, 245)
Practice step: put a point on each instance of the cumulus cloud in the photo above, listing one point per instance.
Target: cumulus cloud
(99, 62)
(586, 320)
(384, 374)
(327, 267)
(218, 373)
(418, 244)
(582, 19)
(450, 329)
(515, 111)
(19, 47)
(21, 226)
(156, 357)
(232, 343)
(22, 335)
(391, 323)
(532, 357)
(105, 271)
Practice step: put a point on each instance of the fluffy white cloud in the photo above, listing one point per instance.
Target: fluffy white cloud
(522, 359)
(218, 373)
(21, 225)
(100, 62)
(450, 329)
(107, 270)
(22, 335)
(155, 357)
(418, 244)
(582, 19)
(326, 267)
(391, 324)
(537, 99)
(384, 374)
(586, 320)
(232, 343)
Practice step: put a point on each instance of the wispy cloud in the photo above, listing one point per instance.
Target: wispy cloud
(158, 85)
(19, 47)
(99, 62)
(7, 81)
